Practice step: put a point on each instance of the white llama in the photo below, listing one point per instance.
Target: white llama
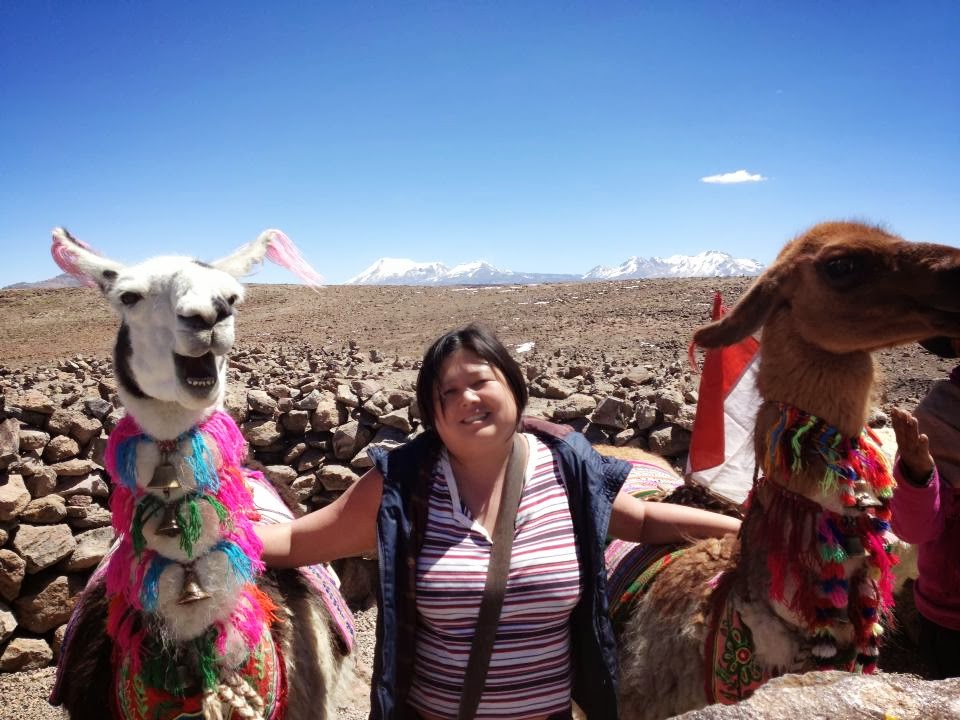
(180, 620)
(808, 583)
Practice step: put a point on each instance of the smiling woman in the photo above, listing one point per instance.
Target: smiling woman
(432, 509)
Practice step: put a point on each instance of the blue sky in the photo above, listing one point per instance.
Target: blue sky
(546, 137)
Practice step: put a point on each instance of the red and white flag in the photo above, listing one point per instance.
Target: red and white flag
(721, 449)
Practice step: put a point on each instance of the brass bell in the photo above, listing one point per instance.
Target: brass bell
(864, 497)
(168, 526)
(192, 592)
(165, 477)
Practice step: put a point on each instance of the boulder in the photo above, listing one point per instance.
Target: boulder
(43, 545)
(23, 654)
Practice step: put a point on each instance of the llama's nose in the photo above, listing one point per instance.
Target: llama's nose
(219, 310)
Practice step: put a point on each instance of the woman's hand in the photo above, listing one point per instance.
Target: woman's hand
(913, 448)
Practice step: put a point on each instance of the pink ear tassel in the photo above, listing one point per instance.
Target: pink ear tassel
(284, 253)
(64, 257)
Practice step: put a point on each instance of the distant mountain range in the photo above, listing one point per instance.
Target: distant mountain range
(60, 281)
(710, 263)
(394, 271)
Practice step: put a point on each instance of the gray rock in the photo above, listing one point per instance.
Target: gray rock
(336, 478)
(345, 396)
(613, 413)
(32, 401)
(92, 545)
(9, 442)
(843, 696)
(645, 416)
(83, 429)
(669, 402)
(235, 403)
(669, 440)
(92, 485)
(296, 421)
(261, 403)
(636, 376)
(44, 511)
(87, 517)
(326, 416)
(397, 419)
(8, 623)
(61, 448)
(576, 405)
(42, 482)
(280, 474)
(262, 433)
(31, 439)
(98, 407)
(50, 605)
(13, 569)
(310, 461)
(349, 438)
(310, 402)
(553, 388)
(42, 546)
(13, 497)
(76, 467)
(23, 654)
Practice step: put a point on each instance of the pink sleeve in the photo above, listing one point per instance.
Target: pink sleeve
(916, 510)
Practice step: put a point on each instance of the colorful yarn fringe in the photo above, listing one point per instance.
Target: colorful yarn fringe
(804, 538)
(215, 451)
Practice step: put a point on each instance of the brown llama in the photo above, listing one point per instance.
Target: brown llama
(807, 584)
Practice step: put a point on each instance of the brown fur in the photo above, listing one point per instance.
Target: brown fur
(833, 295)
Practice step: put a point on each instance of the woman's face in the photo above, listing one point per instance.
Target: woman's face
(473, 403)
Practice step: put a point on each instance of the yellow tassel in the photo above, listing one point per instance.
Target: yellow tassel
(877, 629)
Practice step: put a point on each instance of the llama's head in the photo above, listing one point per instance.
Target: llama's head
(846, 287)
(176, 313)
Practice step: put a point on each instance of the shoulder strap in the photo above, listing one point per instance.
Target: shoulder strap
(496, 584)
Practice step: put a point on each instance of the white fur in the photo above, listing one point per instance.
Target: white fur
(215, 575)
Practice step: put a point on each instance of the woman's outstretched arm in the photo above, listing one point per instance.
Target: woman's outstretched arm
(654, 522)
(344, 528)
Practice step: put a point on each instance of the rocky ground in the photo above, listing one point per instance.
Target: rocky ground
(608, 329)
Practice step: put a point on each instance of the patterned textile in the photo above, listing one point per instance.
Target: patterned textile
(140, 700)
(631, 568)
(648, 480)
(732, 671)
(270, 509)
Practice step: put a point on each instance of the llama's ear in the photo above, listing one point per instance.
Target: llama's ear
(76, 258)
(749, 314)
(276, 247)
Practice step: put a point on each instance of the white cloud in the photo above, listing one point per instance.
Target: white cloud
(731, 178)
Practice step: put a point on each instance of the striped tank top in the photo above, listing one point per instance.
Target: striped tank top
(529, 673)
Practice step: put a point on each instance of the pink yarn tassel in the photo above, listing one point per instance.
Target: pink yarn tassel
(226, 438)
(284, 253)
(65, 258)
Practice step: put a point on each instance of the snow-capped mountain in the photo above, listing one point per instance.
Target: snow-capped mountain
(393, 271)
(710, 263)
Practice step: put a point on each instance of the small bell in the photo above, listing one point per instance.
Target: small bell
(168, 526)
(165, 477)
(865, 499)
(192, 592)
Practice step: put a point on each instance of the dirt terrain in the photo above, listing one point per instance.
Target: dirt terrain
(630, 323)
(626, 324)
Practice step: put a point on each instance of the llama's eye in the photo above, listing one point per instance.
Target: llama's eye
(840, 267)
(231, 300)
(844, 271)
(130, 298)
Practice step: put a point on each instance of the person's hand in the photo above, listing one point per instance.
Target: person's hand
(913, 446)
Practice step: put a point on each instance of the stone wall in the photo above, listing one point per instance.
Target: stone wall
(309, 415)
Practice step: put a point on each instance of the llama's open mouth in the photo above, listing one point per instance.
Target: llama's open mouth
(197, 374)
